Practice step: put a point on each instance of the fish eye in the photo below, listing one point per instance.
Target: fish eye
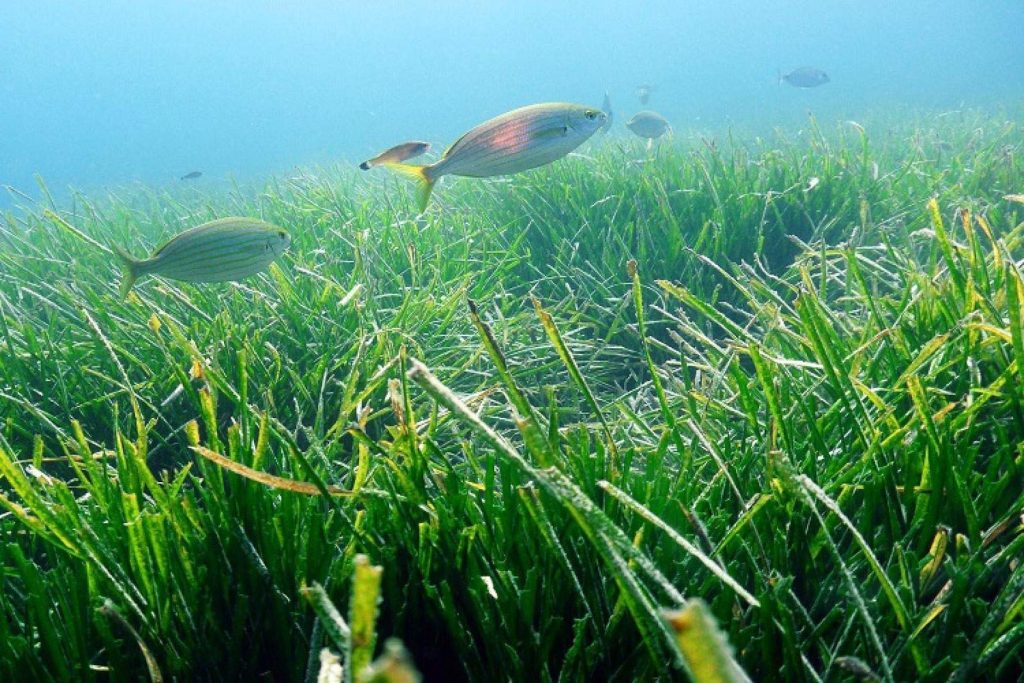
(283, 235)
(590, 114)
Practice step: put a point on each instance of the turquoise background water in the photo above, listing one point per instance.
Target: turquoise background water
(100, 94)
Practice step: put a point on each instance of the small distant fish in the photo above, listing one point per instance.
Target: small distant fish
(226, 249)
(804, 77)
(516, 141)
(606, 107)
(643, 93)
(648, 124)
(192, 176)
(397, 154)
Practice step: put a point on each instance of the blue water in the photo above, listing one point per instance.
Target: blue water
(103, 94)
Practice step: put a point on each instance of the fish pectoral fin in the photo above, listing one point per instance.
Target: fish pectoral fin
(551, 133)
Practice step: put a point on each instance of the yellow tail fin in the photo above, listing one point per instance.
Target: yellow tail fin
(130, 266)
(424, 181)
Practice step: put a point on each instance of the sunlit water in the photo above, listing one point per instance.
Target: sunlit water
(96, 95)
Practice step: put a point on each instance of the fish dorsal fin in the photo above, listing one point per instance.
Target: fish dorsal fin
(455, 144)
(220, 222)
(162, 247)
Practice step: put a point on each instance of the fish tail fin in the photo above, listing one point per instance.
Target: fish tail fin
(422, 176)
(131, 268)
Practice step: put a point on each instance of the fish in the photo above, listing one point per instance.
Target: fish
(515, 141)
(804, 77)
(648, 124)
(606, 107)
(397, 154)
(643, 93)
(230, 248)
(192, 176)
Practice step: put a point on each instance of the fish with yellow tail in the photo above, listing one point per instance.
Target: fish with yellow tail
(397, 154)
(226, 249)
(516, 141)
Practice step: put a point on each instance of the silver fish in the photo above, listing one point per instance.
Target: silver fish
(516, 141)
(643, 93)
(226, 249)
(397, 154)
(192, 176)
(804, 77)
(648, 124)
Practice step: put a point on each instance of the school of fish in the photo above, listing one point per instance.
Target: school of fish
(235, 248)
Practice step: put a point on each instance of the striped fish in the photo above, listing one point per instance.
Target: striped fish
(225, 249)
(516, 141)
(397, 154)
